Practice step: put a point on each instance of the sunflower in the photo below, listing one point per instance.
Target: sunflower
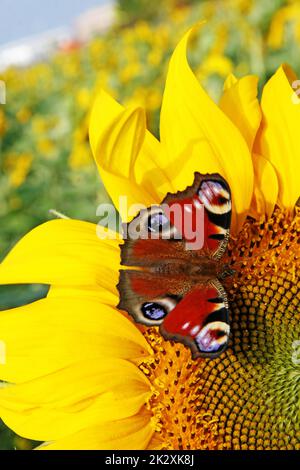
(79, 374)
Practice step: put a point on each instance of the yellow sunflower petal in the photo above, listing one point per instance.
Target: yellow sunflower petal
(132, 433)
(189, 115)
(239, 102)
(73, 398)
(64, 252)
(126, 154)
(104, 112)
(278, 137)
(265, 188)
(182, 170)
(107, 297)
(230, 81)
(122, 142)
(127, 196)
(55, 332)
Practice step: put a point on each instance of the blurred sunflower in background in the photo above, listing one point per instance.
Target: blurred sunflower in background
(79, 374)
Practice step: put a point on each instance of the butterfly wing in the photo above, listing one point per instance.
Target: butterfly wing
(174, 287)
(149, 296)
(213, 193)
(200, 320)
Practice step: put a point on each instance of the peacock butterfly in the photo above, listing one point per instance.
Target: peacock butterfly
(173, 282)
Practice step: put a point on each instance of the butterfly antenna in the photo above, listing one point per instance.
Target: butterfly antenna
(58, 215)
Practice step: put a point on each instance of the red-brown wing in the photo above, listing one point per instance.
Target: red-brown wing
(200, 320)
(213, 193)
(164, 290)
(149, 296)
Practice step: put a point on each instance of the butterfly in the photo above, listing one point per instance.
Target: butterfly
(173, 282)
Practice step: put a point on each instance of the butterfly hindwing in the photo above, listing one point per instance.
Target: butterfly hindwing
(200, 320)
(147, 300)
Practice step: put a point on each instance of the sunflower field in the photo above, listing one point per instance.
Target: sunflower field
(45, 157)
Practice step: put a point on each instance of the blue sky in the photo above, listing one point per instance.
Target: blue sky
(20, 18)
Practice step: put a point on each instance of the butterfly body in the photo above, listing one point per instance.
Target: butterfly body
(172, 282)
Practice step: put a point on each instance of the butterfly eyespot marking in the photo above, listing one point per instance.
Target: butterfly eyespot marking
(213, 337)
(215, 197)
(159, 226)
(153, 311)
(158, 222)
